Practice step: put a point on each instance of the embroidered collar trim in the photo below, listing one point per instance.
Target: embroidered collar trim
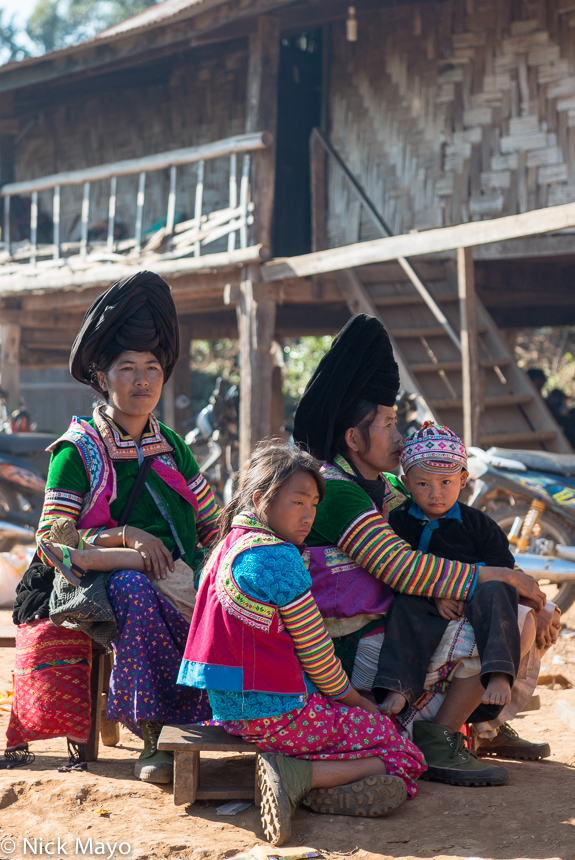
(121, 446)
(453, 513)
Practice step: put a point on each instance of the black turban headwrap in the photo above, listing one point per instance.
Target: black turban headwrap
(358, 366)
(136, 313)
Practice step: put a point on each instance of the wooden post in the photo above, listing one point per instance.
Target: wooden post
(256, 326)
(318, 192)
(183, 379)
(469, 346)
(168, 406)
(8, 128)
(257, 312)
(261, 115)
(10, 364)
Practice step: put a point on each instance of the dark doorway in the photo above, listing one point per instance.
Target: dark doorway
(299, 111)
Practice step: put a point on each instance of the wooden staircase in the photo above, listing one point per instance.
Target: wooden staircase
(513, 415)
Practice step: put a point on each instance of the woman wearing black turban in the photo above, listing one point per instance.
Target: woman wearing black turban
(126, 350)
(346, 418)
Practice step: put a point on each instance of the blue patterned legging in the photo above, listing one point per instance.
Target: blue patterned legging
(149, 647)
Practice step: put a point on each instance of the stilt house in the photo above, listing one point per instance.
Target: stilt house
(283, 164)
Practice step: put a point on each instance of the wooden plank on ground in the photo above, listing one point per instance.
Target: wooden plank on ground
(566, 713)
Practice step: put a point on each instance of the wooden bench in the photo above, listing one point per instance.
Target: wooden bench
(187, 742)
(100, 727)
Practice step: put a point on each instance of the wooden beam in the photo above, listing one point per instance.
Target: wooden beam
(469, 351)
(261, 107)
(256, 317)
(318, 192)
(435, 241)
(359, 302)
(105, 273)
(253, 141)
(183, 377)
(10, 364)
(256, 327)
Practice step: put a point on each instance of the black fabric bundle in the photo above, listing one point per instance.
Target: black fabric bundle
(358, 366)
(136, 313)
(33, 593)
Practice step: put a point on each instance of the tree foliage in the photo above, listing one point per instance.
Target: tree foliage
(56, 23)
(551, 349)
(11, 47)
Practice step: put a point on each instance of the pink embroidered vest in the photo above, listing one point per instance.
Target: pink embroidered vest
(100, 470)
(237, 643)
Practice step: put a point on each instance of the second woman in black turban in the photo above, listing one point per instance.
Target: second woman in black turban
(358, 366)
(136, 313)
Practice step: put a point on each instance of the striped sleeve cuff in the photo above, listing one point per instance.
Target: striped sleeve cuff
(371, 542)
(314, 647)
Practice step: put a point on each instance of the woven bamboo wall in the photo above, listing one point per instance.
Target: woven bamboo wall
(454, 111)
(197, 98)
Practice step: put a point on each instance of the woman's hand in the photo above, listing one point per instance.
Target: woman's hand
(448, 608)
(157, 558)
(353, 699)
(527, 587)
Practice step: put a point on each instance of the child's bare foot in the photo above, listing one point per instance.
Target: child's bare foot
(393, 703)
(498, 691)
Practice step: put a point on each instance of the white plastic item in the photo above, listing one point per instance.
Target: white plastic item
(9, 579)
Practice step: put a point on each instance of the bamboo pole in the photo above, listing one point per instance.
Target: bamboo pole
(469, 351)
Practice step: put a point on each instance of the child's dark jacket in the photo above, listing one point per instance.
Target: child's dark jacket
(463, 534)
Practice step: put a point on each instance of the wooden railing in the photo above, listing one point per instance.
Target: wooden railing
(170, 241)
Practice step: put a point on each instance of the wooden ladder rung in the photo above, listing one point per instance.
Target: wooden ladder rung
(487, 403)
(447, 366)
(423, 331)
(510, 440)
(410, 299)
(420, 331)
(225, 792)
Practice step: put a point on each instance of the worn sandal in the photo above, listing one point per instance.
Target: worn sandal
(63, 531)
(16, 758)
(69, 570)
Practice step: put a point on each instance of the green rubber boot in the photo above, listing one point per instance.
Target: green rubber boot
(449, 760)
(508, 744)
(154, 765)
(283, 783)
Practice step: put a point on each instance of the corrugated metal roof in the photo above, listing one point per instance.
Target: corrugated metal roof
(166, 12)
(157, 14)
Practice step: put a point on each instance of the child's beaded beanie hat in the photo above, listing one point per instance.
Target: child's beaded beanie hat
(434, 448)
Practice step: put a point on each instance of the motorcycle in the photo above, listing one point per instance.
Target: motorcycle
(215, 441)
(531, 495)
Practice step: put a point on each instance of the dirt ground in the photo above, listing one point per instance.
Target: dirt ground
(531, 817)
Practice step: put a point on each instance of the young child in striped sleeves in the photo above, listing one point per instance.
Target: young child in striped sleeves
(434, 464)
(259, 646)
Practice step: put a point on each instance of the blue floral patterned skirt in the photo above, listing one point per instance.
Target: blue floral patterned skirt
(149, 647)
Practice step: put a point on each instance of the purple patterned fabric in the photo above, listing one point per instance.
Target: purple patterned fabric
(149, 648)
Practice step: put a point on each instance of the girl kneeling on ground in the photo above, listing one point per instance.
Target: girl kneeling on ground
(259, 646)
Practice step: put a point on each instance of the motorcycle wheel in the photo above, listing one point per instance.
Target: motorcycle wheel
(552, 527)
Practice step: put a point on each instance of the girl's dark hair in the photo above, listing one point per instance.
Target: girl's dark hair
(110, 354)
(361, 414)
(270, 467)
